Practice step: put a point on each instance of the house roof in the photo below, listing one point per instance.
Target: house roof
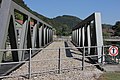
(21, 22)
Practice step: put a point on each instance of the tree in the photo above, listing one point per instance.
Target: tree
(116, 28)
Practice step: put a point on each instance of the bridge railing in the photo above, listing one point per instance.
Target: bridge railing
(111, 37)
(56, 64)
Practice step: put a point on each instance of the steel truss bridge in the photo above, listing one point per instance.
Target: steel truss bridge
(32, 32)
(35, 33)
(89, 33)
(27, 35)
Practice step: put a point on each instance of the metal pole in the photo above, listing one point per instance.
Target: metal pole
(59, 62)
(118, 57)
(29, 65)
(83, 58)
(102, 55)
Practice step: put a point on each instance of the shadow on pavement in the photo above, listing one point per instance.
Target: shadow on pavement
(68, 52)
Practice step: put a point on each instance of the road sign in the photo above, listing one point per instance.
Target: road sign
(113, 50)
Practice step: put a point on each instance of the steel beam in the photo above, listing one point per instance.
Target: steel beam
(40, 36)
(7, 9)
(34, 37)
(44, 36)
(90, 34)
(89, 39)
(4, 23)
(47, 35)
(99, 36)
(79, 36)
(83, 36)
(23, 39)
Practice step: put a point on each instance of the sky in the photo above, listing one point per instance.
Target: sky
(109, 9)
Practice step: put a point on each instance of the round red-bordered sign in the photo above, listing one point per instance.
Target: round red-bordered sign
(113, 50)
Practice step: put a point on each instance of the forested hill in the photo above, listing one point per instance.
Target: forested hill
(67, 19)
(62, 24)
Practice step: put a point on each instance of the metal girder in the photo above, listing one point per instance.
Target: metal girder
(23, 39)
(85, 21)
(45, 29)
(27, 39)
(99, 36)
(4, 21)
(40, 36)
(34, 38)
(89, 34)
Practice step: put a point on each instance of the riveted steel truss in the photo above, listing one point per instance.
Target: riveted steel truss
(89, 33)
(37, 35)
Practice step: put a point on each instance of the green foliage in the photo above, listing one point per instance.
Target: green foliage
(110, 76)
(106, 26)
(107, 30)
(71, 21)
(18, 16)
(106, 34)
(62, 24)
(116, 28)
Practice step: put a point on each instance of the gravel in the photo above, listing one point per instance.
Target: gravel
(46, 67)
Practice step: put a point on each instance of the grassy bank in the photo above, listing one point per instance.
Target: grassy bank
(110, 76)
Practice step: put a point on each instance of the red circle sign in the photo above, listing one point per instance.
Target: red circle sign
(113, 51)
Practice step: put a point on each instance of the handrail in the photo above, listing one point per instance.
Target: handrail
(111, 37)
(59, 59)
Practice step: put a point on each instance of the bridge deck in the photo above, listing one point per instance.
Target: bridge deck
(69, 65)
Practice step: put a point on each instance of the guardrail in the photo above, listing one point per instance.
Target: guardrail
(60, 62)
(111, 37)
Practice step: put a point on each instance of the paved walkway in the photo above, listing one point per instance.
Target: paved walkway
(47, 65)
